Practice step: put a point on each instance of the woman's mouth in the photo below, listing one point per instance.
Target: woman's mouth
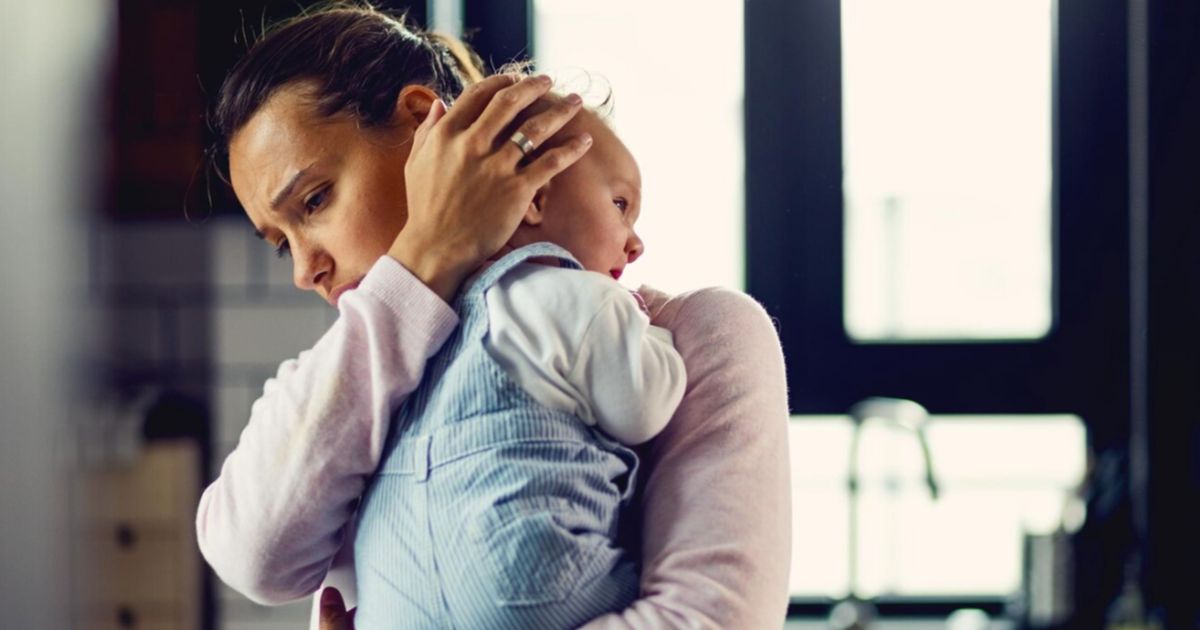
(336, 294)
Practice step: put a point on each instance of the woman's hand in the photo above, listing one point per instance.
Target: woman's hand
(468, 187)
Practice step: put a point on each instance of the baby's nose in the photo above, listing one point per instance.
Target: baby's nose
(634, 247)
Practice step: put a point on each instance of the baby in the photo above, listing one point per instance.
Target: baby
(497, 491)
(495, 505)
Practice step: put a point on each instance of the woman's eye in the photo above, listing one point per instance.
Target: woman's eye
(282, 250)
(621, 204)
(315, 200)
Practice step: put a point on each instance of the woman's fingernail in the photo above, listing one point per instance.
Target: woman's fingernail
(574, 99)
(543, 79)
(585, 139)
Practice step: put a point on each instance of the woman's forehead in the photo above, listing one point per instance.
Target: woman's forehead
(284, 135)
(285, 120)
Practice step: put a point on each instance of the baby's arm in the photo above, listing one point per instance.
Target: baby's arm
(579, 342)
(628, 370)
(272, 520)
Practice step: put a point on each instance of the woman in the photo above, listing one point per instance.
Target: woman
(342, 119)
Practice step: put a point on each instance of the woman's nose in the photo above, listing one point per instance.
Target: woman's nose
(634, 247)
(309, 268)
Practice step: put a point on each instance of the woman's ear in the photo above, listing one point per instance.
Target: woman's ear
(413, 103)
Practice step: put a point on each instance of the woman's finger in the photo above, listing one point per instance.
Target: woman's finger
(554, 161)
(437, 111)
(542, 125)
(507, 103)
(471, 103)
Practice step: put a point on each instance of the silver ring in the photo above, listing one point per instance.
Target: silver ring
(523, 142)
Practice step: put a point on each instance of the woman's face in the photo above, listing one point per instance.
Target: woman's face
(322, 190)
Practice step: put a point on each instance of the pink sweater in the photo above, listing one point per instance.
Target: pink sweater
(716, 507)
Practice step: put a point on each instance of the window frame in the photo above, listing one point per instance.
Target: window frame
(795, 249)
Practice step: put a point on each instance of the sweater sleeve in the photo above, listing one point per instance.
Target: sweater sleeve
(716, 507)
(273, 519)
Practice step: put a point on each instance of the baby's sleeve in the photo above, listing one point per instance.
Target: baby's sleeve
(628, 370)
(579, 342)
(273, 519)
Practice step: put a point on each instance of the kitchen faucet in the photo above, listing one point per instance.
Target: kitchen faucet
(854, 613)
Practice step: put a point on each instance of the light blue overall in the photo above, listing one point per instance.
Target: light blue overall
(490, 510)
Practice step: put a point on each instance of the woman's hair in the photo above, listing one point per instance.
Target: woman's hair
(356, 57)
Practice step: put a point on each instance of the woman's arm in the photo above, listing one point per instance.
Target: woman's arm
(716, 528)
(271, 522)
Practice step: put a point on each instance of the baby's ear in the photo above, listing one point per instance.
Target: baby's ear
(534, 214)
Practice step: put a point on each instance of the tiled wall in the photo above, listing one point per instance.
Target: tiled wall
(148, 288)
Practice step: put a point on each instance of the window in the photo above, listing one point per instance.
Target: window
(999, 477)
(864, 122)
(947, 169)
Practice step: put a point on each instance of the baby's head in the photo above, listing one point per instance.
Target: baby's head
(590, 208)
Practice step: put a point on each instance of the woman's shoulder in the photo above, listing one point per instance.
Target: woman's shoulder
(711, 312)
(708, 303)
(733, 356)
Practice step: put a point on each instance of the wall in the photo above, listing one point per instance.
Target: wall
(48, 69)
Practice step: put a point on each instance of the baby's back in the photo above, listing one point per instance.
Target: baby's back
(490, 509)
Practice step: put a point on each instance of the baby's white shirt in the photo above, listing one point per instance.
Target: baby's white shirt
(576, 341)
(579, 342)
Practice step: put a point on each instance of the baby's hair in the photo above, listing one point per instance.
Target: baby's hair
(595, 90)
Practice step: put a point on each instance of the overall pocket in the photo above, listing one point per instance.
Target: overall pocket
(536, 548)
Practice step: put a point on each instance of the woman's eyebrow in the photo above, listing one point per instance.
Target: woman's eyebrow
(289, 187)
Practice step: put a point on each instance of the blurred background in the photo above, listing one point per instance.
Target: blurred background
(976, 223)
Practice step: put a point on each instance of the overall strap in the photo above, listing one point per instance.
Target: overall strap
(492, 274)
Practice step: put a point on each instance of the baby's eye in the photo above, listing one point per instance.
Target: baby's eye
(621, 203)
(315, 200)
(282, 250)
